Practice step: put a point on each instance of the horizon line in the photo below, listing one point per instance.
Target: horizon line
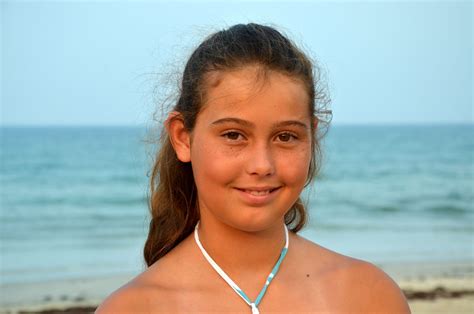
(85, 125)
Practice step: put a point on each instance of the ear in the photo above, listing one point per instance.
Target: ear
(179, 136)
(315, 123)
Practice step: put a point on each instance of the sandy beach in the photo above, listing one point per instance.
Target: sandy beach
(429, 288)
(435, 287)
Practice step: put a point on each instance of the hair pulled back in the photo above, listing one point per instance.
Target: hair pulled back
(173, 194)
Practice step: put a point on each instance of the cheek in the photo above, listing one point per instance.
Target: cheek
(212, 165)
(293, 167)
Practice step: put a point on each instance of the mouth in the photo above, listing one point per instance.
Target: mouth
(258, 191)
(258, 196)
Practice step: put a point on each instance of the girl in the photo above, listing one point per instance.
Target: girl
(238, 148)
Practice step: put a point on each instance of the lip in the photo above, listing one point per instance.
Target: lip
(258, 200)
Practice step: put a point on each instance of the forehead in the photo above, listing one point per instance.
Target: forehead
(251, 92)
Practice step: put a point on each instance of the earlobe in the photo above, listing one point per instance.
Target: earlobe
(179, 136)
(315, 123)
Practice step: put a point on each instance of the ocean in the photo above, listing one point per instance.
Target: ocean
(73, 199)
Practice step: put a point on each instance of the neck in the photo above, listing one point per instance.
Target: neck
(238, 251)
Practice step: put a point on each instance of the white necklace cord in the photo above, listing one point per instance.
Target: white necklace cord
(253, 305)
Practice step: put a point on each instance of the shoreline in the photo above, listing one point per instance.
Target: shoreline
(429, 287)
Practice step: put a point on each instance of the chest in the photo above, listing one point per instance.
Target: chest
(281, 296)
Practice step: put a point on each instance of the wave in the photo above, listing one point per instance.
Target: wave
(85, 201)
(449, 209)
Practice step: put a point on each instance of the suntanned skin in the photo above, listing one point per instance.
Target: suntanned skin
(243, 236)
(311, 279)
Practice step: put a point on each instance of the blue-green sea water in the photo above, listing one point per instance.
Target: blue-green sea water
(73, 199)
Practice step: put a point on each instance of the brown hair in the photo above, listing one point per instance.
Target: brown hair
(173, 199)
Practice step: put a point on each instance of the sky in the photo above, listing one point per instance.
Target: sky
(109, 62)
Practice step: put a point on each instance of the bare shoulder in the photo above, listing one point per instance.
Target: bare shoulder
(377, 291)
(361, 285)
(157, 289)
(126, 299)
(148, 292)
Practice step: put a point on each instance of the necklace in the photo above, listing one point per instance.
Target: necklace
(253, 305)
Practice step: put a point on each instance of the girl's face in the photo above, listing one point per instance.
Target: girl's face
(251, 148)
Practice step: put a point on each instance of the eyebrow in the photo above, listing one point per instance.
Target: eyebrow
(251, 125)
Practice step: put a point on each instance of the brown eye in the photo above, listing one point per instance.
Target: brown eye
(285, 137)
(232, 135)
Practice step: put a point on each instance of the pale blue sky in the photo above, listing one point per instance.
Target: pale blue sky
(91, 63)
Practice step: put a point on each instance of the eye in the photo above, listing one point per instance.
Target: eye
(286, 137)
(232, 135)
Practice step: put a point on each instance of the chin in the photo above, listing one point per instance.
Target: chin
(255, 224)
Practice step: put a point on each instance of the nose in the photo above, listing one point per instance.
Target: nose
(261, 160)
